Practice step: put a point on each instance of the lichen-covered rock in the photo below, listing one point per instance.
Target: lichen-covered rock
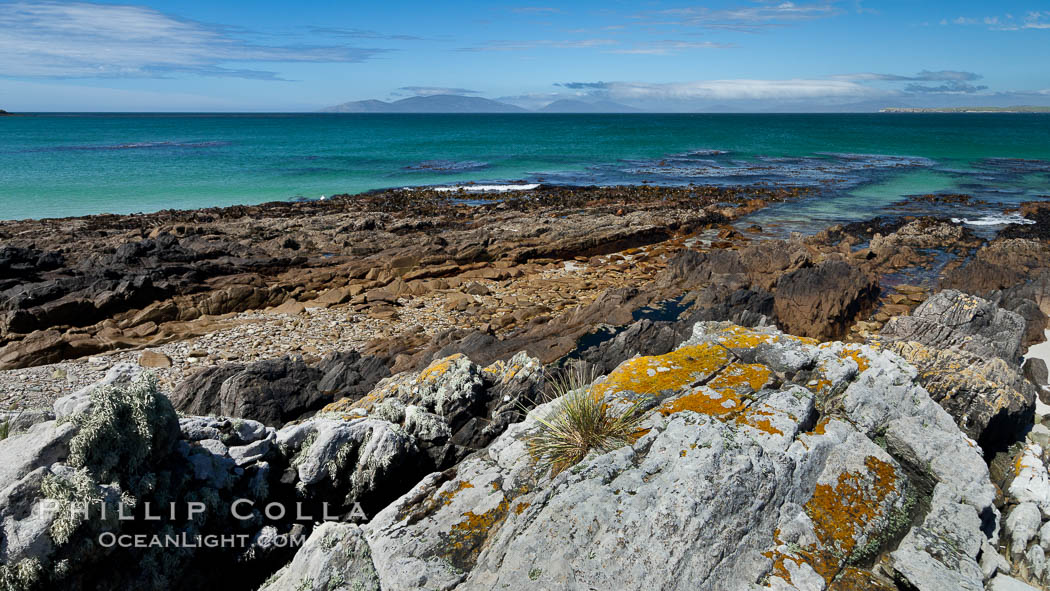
(1031, 481)
(967, 351)
(335, 557)
(346, 461)
(951, 319)
(990, 399)
(453, 406)
(763, 461)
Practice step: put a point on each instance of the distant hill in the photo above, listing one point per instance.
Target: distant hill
(3, 112)
(576, 106)
(1017, 109)
(438, 103)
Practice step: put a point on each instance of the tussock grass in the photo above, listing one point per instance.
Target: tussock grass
(7, 425)
(579, 422)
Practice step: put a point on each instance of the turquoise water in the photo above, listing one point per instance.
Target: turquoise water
(62, 165)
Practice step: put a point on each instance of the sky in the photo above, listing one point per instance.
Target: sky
(735, 55)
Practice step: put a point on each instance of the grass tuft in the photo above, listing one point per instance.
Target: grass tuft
(579, 422)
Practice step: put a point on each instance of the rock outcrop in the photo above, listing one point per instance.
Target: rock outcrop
(453, 406)
(764, 461)
(823, 301)
(275, 391)
(967, 351)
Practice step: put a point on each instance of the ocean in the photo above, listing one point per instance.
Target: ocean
(858, 165)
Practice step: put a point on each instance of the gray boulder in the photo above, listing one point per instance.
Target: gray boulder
(25, 519)
(42, 445)
(272, 391)
(459, 406)
(346, 461)
(79, 401)
(335, 557)
(951, 319)
(742, 477)
(1035, 370)
(967, 351)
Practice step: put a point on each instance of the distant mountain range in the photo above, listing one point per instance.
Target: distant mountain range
(575, 106)
(452, 103)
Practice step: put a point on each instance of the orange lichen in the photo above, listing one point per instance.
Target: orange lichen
(520, 508)
(438, 368)
(339, 406)
(821, 424)
(842, 513)
(742, 378)
(445, 497)
(759, 420)
(854, 353)
(704, 401)
(662, 373)
(466, 537)
(736, 337)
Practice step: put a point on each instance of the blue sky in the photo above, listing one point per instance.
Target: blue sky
(267, 55)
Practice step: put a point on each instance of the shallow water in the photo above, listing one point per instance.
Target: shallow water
(858, 164)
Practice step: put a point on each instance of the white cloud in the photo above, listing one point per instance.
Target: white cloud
(669, 47)
(535, 10)
(923, 76)
(540, 44)
(767, 13)
(736, 89)
(433, 90)
(82, 40)
(1035, 19)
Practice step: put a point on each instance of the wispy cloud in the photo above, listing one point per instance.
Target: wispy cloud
(82, 40)
(733, 89)
(923, 76)
(584, 85)
(1035, 19)
(363, 34)
(951, 87)
(767, 13)
(954, 81)
(540, 44)
(669, 47)
(535, 10)
(433, 90)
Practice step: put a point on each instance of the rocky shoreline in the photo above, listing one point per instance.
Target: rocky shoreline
(397, 349)
(391, 262)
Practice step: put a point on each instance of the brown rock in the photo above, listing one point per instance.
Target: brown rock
(334, 297)
(142, 330)
(154, 359)
(823, 301)
(290, 307)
